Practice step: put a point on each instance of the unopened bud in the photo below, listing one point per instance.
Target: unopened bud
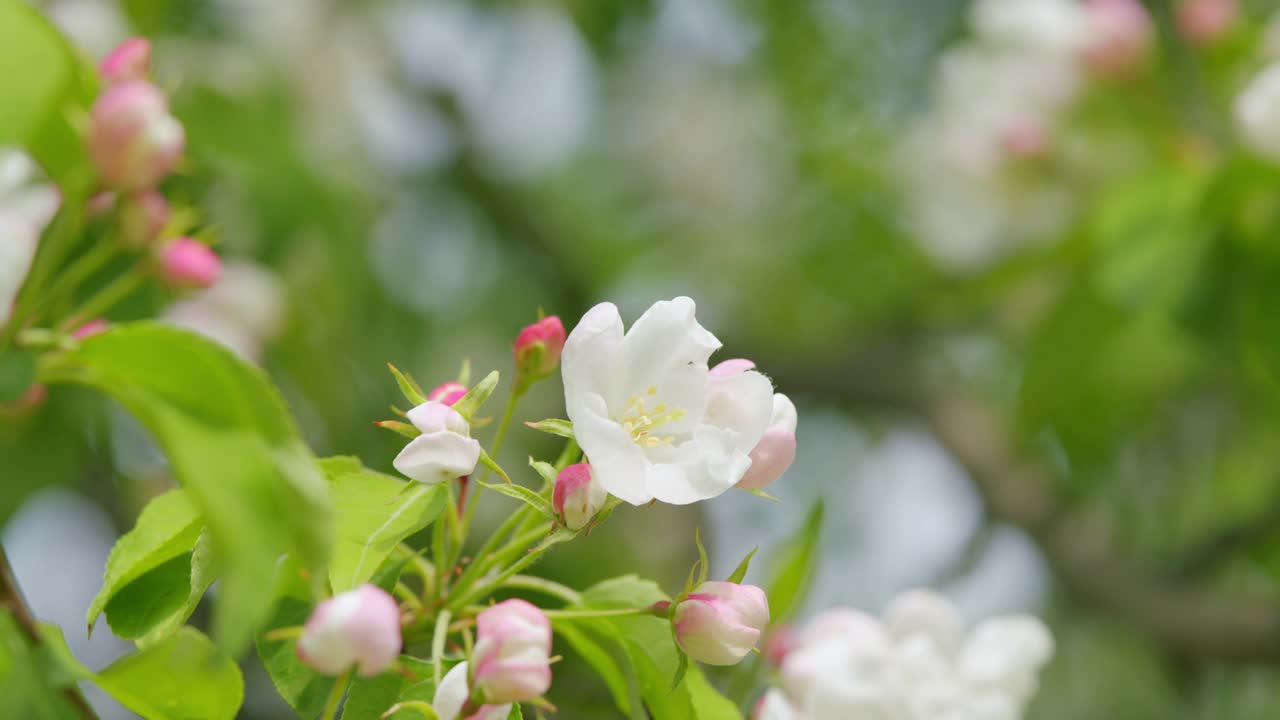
(359, 628)
(130, 60)
(578, 496)
(538, 349)
(720, 622)
(97, 326)
(1120, 37)
(512, 654)
(133, 140)
(1204, 21)
(188, 263)
(448, 393)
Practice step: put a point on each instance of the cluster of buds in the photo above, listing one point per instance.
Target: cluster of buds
(135, 143)
(511, 663)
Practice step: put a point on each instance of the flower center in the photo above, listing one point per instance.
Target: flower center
(640, 421)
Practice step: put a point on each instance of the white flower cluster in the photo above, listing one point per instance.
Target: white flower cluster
(1257, 107)
(915, 663)
(998, 99)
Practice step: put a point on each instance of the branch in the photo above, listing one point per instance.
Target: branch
(11, 599)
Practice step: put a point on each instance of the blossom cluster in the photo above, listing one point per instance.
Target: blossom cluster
(914, 663)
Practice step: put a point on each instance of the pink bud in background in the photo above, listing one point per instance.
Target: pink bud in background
(447, 393)
(188, 263)
(143, 217)
(720, 622)
(1203, 21)
(577, 496)
(360, 627)
(1121, 37)
(776, 450)
(512, 653)
(133, 140)
(780, 641)
(101, 204)
(538, 348)
(96, 326)
(130, 60)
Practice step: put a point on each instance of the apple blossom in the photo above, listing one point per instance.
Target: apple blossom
(642, 409)
(538, 348)
(448, 393)
(452, 696)
(1049, 26)
(130, 60)
(133, 140)
(445, 449)
(720, 622)
(915, 663)
(1204, 21)
(360, 627)
(776, 450)
(577, 496)
(188, 263)
(512, 653)
(26, 207)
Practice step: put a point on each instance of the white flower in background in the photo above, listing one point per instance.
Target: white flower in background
(915, 663)
(445, 449)
(96, 26)
(1059, 26)
(1258, 113)
(26, 207)
(640, 411)
(243, 310)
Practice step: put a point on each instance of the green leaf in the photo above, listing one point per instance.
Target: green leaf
(200, 577)
(303, 688)
(741, 571)
(469, 404)
(399, 428)
(166, 529)
(17, 373)
(30, 688)
(408, 386)
(704, 566)
(185, 677)
(524, 495)
(233, 446)
(36, 69)
(793, 566)
(371, 697)
(372, 513)
(553, 426)
(547, 472)
(653, 658)
(494, 466)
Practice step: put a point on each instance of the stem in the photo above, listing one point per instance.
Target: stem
(11, 599)
(524, 562)
(75, 274)
(437, 642)
(469, 575)
(60, 238)
(589, 614)
(106, 298)
(498, 437)
(335, 696)
(546, 587)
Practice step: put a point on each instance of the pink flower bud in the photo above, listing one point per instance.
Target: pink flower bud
(130, 60)
(96, 326)
(1204, 21)
(720, 622)
(359, 627)
(1121, 36)
(142, 218)
(188, 263)
(512, 653)
(780, 641)
(133, 140)
(577, 496)
(538, 348)
(729, 368)
(776, 450)
(448, 393)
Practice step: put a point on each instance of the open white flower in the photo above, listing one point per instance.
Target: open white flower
(445, 449)
(640, 406)
(26, 207)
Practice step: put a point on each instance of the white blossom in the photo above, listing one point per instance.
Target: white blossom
(640, 411)
(1257, 113)
(26, 207)
(915, 663)
(445, 449)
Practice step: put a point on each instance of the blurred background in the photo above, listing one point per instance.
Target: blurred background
(1017, 262)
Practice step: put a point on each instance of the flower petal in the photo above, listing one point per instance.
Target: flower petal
(616, 461)
(743, 403)
(437, 457)
(589, 363)
(665, 338)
